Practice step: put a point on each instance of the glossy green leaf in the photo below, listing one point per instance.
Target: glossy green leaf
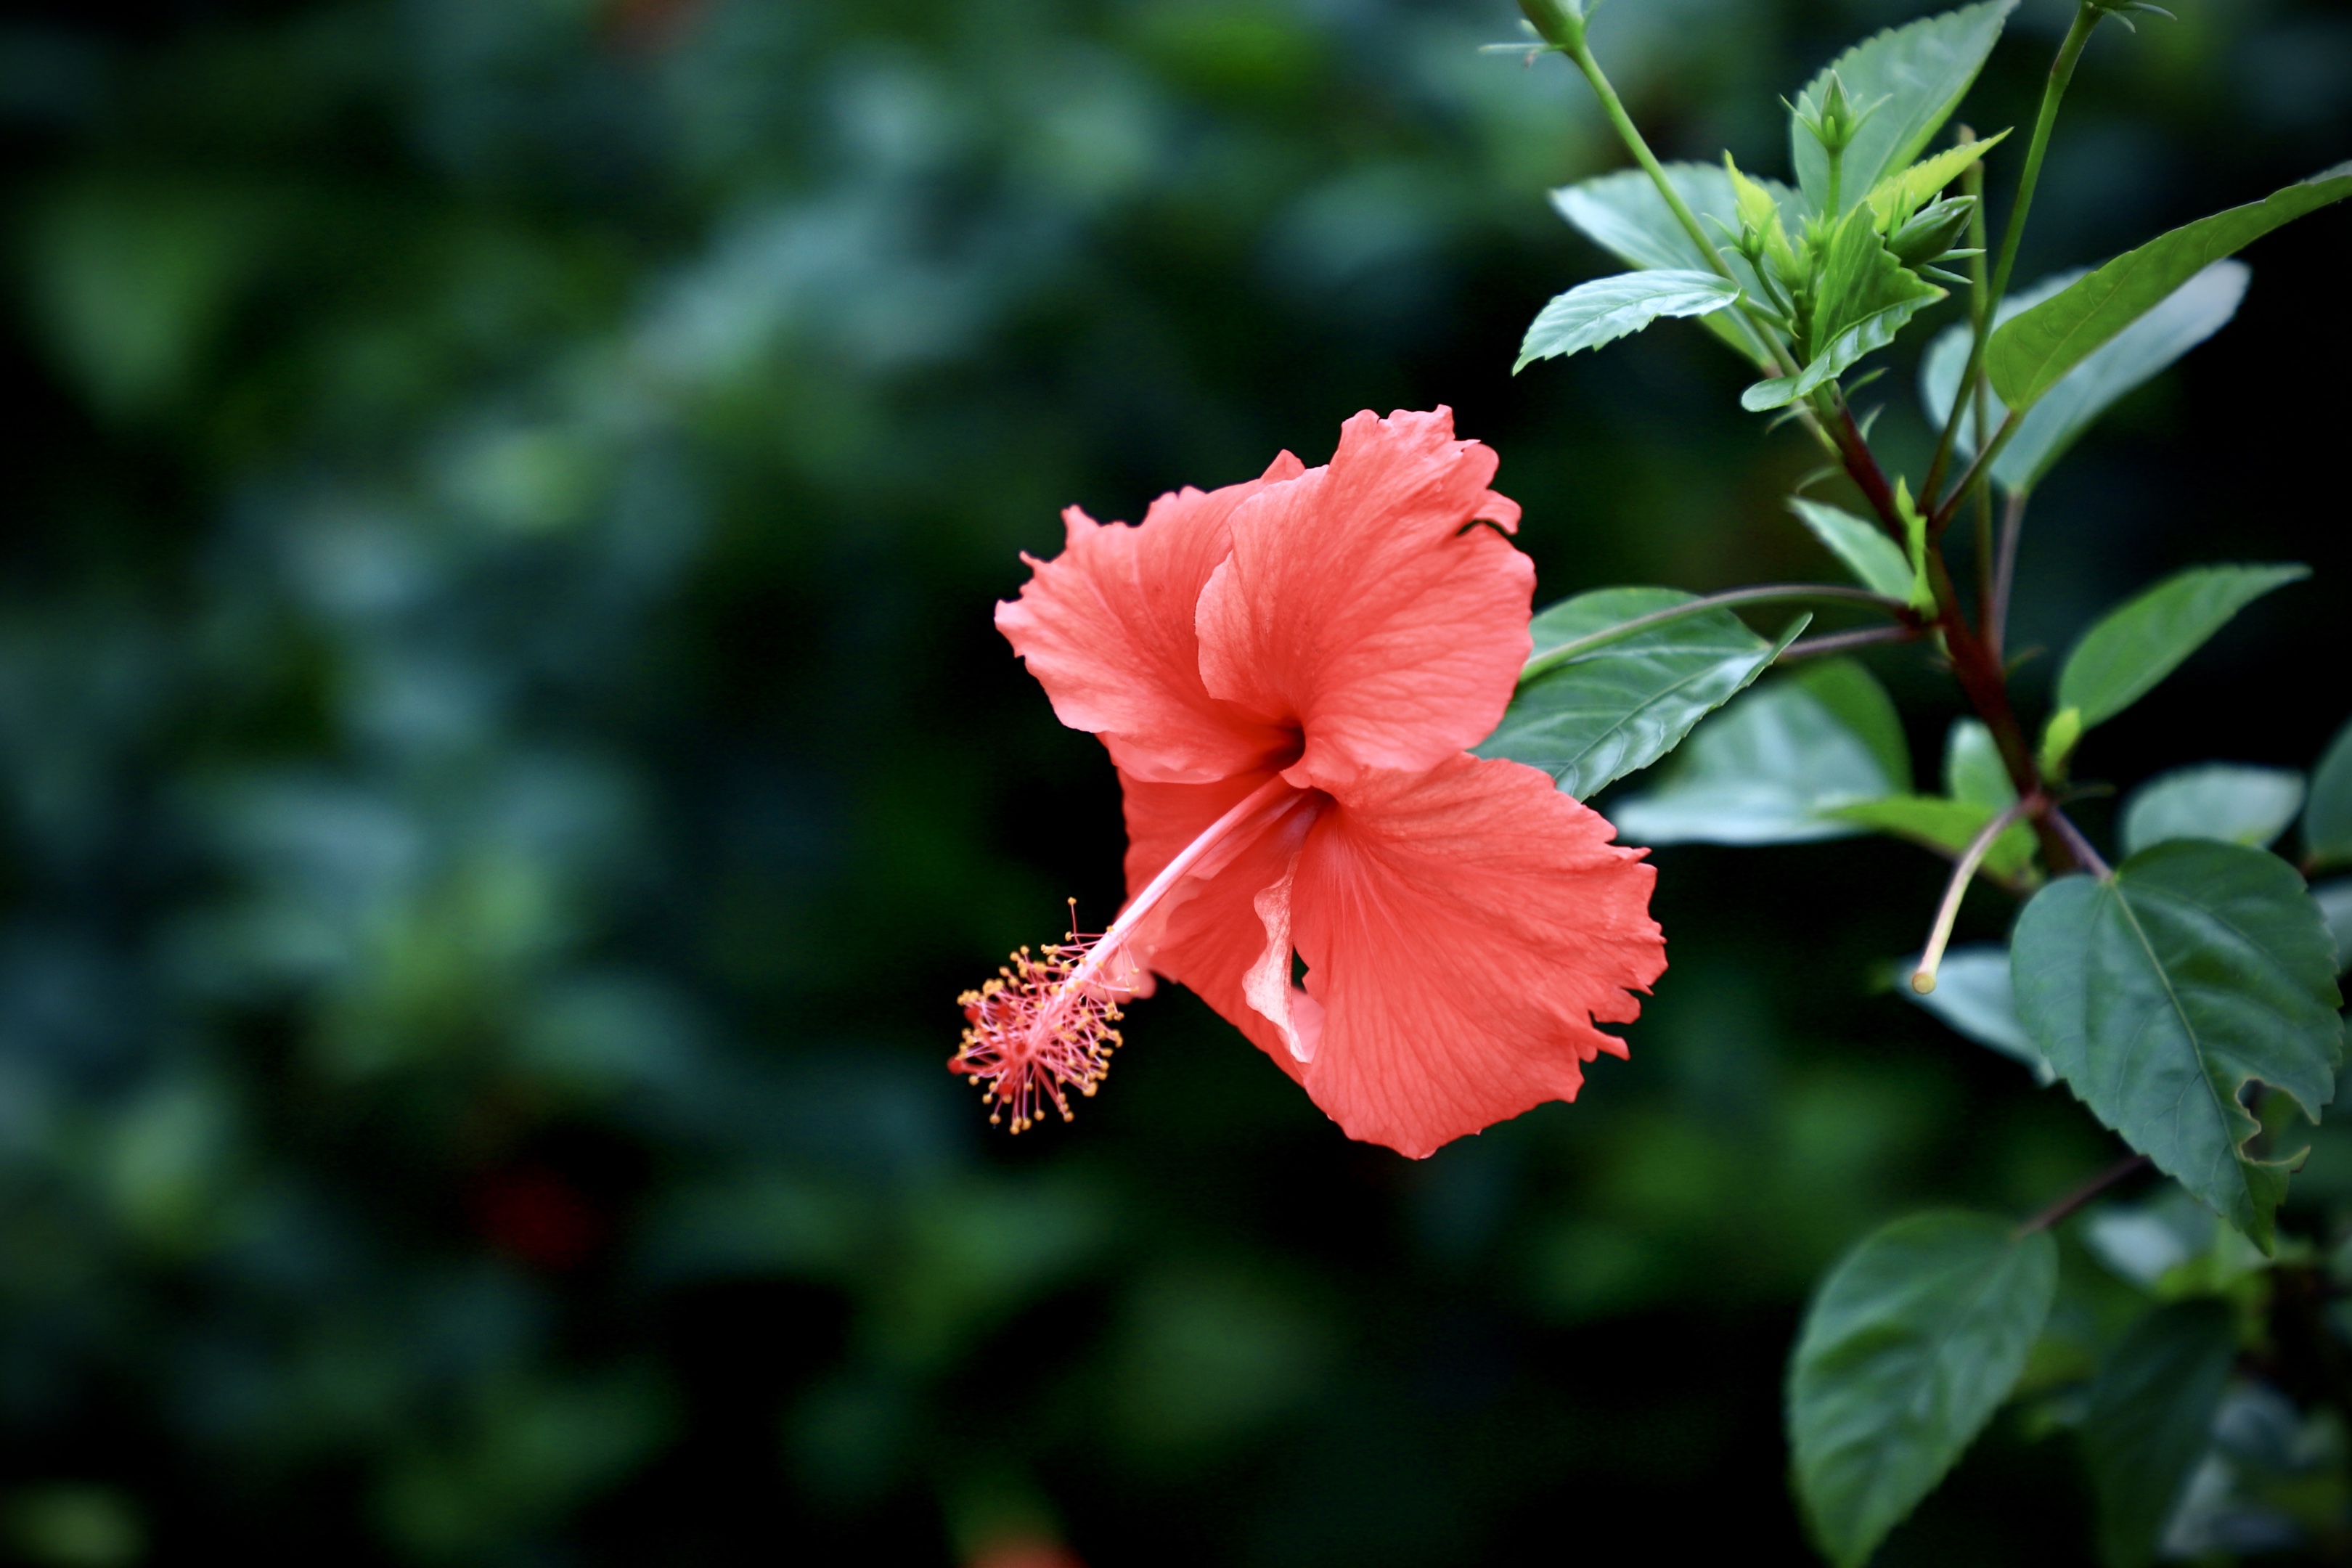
(1607, 309)
(2327, 819)
(1856, 700)
(2226, 801)
(1864, 297)
(1973, 770)
(2168, 1244)
(1946, 824)
(2029, 353)
(2178, 322)
(1624, 214)
(1972, 997)
(1905, 189)
(2134, 647)
(1920, 72)
(1624, 704)
(2160, 995)
(1772, 768)
(2149, 1420)
(1975, 786)
(2334, 901)
(1912, 1342)
(1875, 561)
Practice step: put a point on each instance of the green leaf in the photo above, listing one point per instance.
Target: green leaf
(1946, 824)
(1900, 193)
(1624, 214)
(1972, 997)
(2134, 647)
(1862, 300)
(1911, 1344)
(2178, 322)
(2224, 801)
(2150, 1418)
(1921, 71)
(1607, 308)
(1973, 770)
(1774, 765)
(1856, 700)
(2059, 738)
(2327, 820)
(1875, 561)
(2160, 995)
(1624, 704)
(2170, 1244)
(2334, 901)
(2028, 354)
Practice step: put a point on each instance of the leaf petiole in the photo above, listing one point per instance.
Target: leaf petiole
(1551, 658)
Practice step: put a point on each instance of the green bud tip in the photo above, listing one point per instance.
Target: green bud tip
(1559, 23)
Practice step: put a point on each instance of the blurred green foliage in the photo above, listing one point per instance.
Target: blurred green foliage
(505, 766)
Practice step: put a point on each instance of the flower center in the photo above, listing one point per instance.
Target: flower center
(1044, 1026)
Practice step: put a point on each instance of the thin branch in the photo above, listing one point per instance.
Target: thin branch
(2089, 857)
(1552, 657)
(2061, 72)
(1979, 472)
(1861, 467)
(1980, 305)
(2004, 573)
(2063, 1209)
(1931, 957)
(1838, 642)
(1776, 357)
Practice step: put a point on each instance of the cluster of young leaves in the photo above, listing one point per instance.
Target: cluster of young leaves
(2188, 997)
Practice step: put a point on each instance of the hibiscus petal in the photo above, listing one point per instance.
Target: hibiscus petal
(1209, 934)
(1357, 603)
(1464, 930)
(1107, 628)
(1297, 1016)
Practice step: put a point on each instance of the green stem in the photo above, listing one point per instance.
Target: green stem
(1628, 132)
(1614, 108)
(1979, 470)
(1553, 657)
(2012, 523)
(2054, 91)
(1979, 311)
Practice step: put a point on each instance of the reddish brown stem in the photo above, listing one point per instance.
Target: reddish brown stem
(2057, 1213)
(1974, 663)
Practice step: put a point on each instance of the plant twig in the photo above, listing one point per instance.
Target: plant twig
(2086, 856)
(1980, 308)
(1838, 642)
(1777, 360)
(1979, 472)
(2004, 573)
(2063, 1209)
(2054, 91)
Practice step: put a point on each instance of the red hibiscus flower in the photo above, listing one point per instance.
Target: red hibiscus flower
(1288, 673)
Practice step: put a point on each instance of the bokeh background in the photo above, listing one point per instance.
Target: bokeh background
(505, 766)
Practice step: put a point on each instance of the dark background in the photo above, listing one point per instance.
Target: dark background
(505, 766)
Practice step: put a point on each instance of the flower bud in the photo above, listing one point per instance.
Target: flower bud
(1931, 230)
(1559, 23)
(1836, 117)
